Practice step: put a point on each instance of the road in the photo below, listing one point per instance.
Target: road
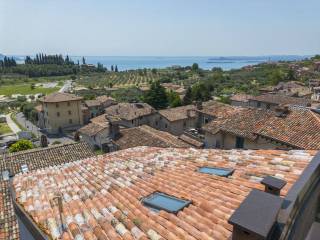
(67, 87)
(14, 127)
(35, 130)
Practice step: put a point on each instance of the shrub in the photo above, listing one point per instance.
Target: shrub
(21, 145)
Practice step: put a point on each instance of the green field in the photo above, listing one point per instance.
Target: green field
(24, 89)
(4, 128)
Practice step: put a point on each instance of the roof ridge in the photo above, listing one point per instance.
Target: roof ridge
(160, 137)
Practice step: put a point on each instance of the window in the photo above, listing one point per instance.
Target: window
(70, 121)
(166, 126)
(184, 123)
(206, 120)
(57, 105)
(69, 112)
(156, 123)
(239, 142)
(268, 106)
(259, 104)
(160, 201)
(222, 172)
(58, 114)
(68, 103)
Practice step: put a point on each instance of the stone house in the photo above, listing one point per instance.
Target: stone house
(106, 101)
(272, 101)
(176, 120)
(249, 128)
(59, 112)
(95, 107)
(132, 114)
(240, 99)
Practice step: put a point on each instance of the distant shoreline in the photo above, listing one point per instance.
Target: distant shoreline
(161, 62)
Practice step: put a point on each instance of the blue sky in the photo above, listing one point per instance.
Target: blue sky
(160, 27)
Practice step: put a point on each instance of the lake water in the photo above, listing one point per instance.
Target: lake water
(226, 63)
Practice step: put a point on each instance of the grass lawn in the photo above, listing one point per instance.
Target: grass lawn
(4, 128)
(25, 89)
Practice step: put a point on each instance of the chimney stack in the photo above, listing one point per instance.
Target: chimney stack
(282, 111)
(255, 218)
(273, 185)
(199, 105)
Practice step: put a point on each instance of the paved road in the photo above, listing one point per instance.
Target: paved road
(14, 127)
(35, 130)
(67, 87)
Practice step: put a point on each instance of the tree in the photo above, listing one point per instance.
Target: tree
(195, 67)
(21, 145)
(200, 92)
(83, 61)
(291, 75)
(112, 68)
(187, 99)
(156, 96)
(174, 99)
(154, 71)
(116, 69)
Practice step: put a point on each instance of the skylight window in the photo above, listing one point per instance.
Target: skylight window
(222, 172)
(159, 201)
(24, 168)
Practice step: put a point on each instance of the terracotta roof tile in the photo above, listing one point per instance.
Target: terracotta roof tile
(60, 97)
(179, 113)
(148, 136)
(217, 109)
(241, 97)
(129, 111)
(101, 195)
(92, 103)
(282, 100)
(299, 128)
(44, 157)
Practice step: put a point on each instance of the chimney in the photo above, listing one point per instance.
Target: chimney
(273, 185)
(189, 113)
(199, 105)
(114, 129)
(282, 111)
(255, 218)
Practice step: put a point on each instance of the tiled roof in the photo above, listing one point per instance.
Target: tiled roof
(101, 196)
(241, 97)
(129, 111)
(92, 129)
(282, 99)
(9, 229)
(104, 98)
(191, 141)
(92, 103)
(300, 128)
(60, 97)
(102, 120)
(44, 157)
(148, 136)
(245, 122)
(179, 113)
(217, 109)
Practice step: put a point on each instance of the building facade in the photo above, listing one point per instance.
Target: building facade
(60, 112)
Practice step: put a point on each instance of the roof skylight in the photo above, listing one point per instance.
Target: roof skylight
(222, 172)
(161, 201)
